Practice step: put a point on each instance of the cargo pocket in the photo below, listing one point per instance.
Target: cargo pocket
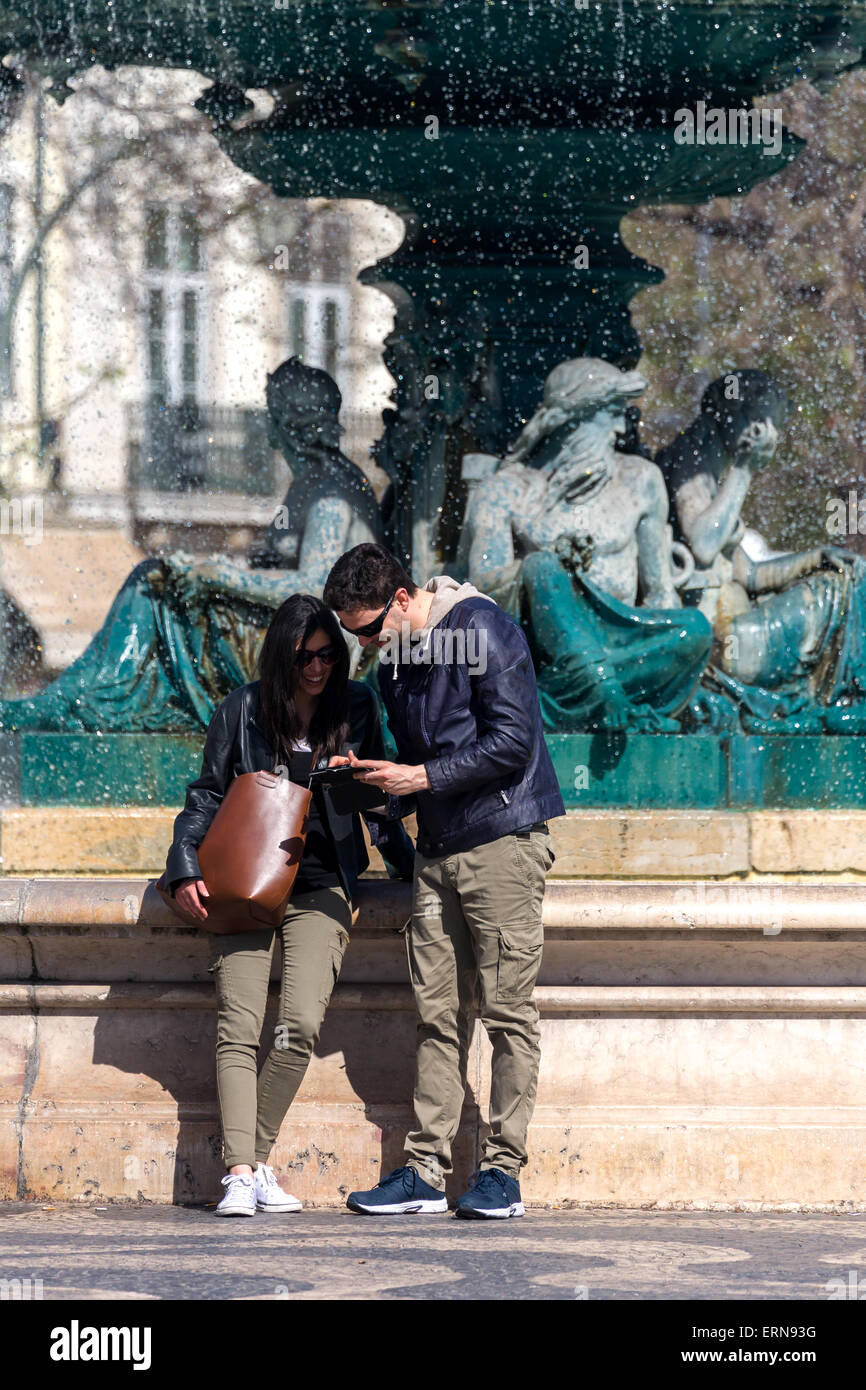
(414, 976)
(518, 966)
(548, 856)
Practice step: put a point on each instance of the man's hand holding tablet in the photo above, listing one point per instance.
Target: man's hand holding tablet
(397, 779)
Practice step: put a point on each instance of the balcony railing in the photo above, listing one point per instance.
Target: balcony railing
(199, 449)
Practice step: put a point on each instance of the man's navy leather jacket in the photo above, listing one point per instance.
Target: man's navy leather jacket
(235, 744)
(477, 731)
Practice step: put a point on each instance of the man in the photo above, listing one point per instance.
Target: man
(459, 689)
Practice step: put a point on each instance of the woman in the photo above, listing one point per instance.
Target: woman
(303, 712)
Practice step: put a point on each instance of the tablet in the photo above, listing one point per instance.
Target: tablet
(333, 776)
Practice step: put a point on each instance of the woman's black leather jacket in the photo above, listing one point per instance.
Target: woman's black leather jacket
(235, 744)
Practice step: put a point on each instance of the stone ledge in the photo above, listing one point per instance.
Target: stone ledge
(594, 1000)
(570, 907)
(808, 841)
(666, 843)
(132, 902)
(596, 843)
(79, 839)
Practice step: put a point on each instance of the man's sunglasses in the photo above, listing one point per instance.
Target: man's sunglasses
(375, 627)
(327, 655)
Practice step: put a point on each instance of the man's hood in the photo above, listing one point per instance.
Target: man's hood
(447, 592)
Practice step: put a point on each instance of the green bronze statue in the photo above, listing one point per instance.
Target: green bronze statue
(180, 635)
(649, 606)
(788, 628)
(571, 535)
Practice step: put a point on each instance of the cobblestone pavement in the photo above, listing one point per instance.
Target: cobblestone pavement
(151, 1252)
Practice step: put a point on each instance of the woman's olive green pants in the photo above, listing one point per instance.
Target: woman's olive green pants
(313, 936)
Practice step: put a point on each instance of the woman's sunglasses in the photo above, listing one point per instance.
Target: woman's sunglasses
(327, 655)
(375, 627)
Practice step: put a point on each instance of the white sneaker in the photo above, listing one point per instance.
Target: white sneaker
(269, 1195)
(240, 1196)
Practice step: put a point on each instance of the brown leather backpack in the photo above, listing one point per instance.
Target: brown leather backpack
(250, 854)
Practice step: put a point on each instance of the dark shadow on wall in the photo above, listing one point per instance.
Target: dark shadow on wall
(175, 1047)
(173, 1042)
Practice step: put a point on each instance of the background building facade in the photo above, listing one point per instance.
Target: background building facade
(147, 287)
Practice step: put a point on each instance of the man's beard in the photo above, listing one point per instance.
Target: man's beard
(591, 464)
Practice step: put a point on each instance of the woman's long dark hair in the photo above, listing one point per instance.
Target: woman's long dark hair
(294, 622)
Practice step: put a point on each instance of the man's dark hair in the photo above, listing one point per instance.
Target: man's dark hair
(365, 577)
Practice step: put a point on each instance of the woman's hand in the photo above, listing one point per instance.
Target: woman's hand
(189, 895)
(397, 779)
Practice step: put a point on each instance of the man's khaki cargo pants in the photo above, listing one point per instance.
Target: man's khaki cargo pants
(476, 931)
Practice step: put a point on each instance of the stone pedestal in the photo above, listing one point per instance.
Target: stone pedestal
(701, 1046)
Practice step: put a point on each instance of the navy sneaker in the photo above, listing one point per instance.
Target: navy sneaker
(491, 1193)
(401, 1191)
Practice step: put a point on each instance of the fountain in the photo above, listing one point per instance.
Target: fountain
(512, 151)
(702, 692)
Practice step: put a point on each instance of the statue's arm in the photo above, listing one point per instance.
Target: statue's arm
(489, 520)
(193, 582)
(325, 532)
(654, 561)
(706, 519)
(324, 540)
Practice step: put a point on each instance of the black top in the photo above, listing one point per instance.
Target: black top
(318, 866)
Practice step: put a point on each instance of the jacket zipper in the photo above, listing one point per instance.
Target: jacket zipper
(428, 745)
(504, 797)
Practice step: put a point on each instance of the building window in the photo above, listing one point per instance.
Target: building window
(319, 318)
(319, 293)
(6, 252)
(174, 283)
